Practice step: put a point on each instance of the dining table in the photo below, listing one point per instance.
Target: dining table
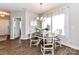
(41, 38)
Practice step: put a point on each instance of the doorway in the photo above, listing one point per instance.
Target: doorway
(17, 28)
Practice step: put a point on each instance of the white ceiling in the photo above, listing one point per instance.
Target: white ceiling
(33, 7)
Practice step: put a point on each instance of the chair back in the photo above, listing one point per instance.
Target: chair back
(47, 38)
(58, 32)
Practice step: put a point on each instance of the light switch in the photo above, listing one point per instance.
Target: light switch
(72, 27)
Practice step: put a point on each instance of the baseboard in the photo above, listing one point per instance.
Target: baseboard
(23, 38)
(71, 46)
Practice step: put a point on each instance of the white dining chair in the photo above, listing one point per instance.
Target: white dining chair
(47, 43)
(57, 38)
(34, 40)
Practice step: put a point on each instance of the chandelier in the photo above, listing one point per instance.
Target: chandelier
(40, 18)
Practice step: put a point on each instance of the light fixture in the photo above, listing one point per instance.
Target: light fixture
(3, 13)
(0, 12)
(41, 17)
(37, 18)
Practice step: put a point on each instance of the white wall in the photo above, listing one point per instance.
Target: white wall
(27, 17)
(4, 27)
(74, 24)
(71, 12)
(73, 16)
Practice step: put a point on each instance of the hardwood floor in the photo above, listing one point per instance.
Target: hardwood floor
(17, 47)
(64, 50)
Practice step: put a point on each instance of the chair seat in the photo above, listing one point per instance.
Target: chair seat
(48, 44)
(37, 42)
(47, 48)
(34, 40)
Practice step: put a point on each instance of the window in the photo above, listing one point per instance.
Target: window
(58, 22)
(34, 23)
(46, 23)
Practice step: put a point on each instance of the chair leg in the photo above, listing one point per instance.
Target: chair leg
(44, 52)
(52, 52)
(41, 48)
(30, 43)
(55, 46)
(60, 45)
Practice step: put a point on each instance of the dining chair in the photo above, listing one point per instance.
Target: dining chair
(57, 38)
(34, 40)
(47, 44)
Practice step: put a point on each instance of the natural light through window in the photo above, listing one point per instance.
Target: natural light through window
(58, 22)
(47, 23)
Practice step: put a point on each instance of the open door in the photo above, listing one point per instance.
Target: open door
(17, 27)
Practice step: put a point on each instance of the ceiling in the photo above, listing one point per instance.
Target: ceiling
(33, 7)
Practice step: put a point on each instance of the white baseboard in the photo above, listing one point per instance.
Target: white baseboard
(71, 46)
(11, 38)
(23, 38)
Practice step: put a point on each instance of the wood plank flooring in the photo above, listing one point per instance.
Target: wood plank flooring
(17, 47)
